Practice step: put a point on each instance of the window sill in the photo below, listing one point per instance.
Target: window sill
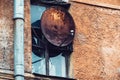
(52, 77)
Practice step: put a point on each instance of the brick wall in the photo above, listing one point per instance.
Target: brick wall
(96, 54)
(6, 35)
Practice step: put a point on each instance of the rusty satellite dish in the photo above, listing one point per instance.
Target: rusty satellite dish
(58, 26)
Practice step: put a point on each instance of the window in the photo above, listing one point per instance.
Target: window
(38, 51)
(47, 59)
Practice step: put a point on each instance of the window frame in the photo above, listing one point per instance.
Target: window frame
(68, 50)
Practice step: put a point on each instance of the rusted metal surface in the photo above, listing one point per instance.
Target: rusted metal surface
(58, 26)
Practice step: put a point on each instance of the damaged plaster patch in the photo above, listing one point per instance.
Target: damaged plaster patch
(81, 38)
(108, 50)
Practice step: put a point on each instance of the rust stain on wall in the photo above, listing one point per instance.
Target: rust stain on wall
(96, 53)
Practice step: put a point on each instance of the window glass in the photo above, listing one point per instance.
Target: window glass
(36, 12)
(38, 54)
(57, 65)
(38, 64)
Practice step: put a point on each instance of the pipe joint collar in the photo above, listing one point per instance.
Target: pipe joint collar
(18, 9)
(19, 70)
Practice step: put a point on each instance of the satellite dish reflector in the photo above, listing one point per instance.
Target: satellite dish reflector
(58, 26)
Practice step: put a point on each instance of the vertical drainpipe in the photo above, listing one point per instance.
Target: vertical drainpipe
(19, 39)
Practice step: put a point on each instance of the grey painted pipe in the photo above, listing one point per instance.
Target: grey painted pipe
(19, 39)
